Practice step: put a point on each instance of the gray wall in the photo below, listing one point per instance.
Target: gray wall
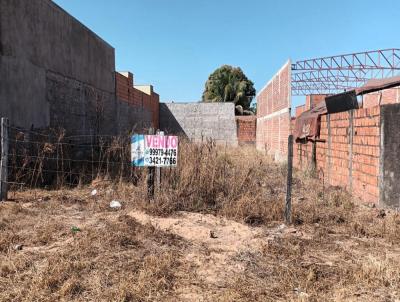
(87, 110)
(200, 120)
(56, 72)
(390, 155)
(130, 118)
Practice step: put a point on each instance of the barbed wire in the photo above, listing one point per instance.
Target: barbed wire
(61, 143)
(62, 133)
(68, 159)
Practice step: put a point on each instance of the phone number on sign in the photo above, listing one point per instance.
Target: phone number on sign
(157, 160)
(162, 152)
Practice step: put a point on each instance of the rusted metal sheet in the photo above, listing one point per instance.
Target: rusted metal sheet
(308, 123)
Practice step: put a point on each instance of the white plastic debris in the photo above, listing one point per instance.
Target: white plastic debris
(281, 227)
(115, 204)
(94, 192)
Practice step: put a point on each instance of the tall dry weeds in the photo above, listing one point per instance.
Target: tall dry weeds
(239, 183)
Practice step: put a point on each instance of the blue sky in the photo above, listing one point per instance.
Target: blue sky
(176, 44)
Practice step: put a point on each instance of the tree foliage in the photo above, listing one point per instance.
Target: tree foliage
(253, 108)
(229, 84)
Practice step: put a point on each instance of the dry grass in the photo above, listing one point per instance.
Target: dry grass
(110, 258)
(337, 250)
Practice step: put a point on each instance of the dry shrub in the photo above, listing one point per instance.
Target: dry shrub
(239, 183)
(331, 206)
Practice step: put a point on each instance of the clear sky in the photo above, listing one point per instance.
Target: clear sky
(176, 44)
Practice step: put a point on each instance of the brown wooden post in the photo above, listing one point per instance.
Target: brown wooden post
(288, 205)
(314, 159)
(4, 160)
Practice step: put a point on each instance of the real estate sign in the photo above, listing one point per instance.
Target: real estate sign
(154, 150)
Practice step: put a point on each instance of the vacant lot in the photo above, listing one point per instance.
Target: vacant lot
(214, 233)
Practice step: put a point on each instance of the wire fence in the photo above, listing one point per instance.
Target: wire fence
(208, 173)
(49, 158)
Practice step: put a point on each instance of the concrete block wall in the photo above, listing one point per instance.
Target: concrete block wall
(389, 157)
(132, 118)
(199, 121)
(55, 72)
(348, 153)
(36, 37)
(78, 107)
(246, 129)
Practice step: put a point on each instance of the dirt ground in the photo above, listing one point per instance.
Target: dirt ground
(71, 246)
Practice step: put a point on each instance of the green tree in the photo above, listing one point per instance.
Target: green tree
(229, 84)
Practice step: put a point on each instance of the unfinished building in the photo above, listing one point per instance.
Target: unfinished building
(347, 132)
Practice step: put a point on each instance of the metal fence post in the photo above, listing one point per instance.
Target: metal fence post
(288, 205)
(4, 159)
(150, 177)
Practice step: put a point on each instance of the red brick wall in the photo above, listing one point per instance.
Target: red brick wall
(155, 109)
(273, 114)
(246, 129)
(126, 92)
(349, 162)
(300, 110)
(123, 86)
(314, 99)
(366, 153)
(388, 96)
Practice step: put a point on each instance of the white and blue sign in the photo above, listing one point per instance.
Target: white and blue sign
(154, 150)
